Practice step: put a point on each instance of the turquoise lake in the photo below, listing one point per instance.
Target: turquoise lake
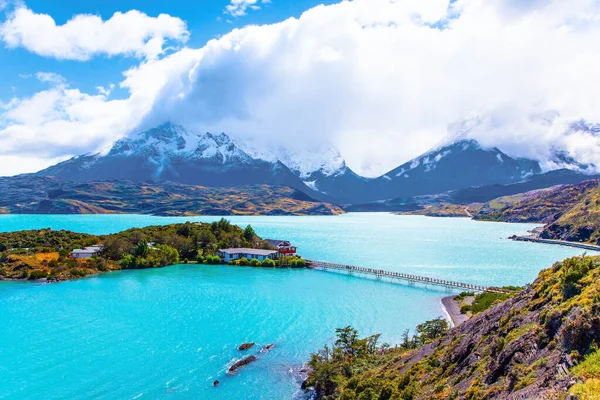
(168, 333)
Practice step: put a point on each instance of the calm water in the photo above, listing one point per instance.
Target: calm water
(168, 333)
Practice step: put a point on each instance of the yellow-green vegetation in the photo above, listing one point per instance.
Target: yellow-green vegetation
(540, 343)
(485, 300)
(45, 253)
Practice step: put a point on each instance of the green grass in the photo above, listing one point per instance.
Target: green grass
(589, 368)
(485, 300)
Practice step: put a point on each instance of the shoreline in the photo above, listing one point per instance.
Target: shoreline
(577, 245)
(452, 309)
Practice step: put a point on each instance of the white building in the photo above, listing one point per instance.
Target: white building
(86, 252)
(237, 253)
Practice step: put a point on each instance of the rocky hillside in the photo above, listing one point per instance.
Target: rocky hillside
(30, 194)
(540, 344)
(580, 222)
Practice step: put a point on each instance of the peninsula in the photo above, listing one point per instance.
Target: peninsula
(53, 256)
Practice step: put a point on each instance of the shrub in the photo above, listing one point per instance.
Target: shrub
(255, 262)
(38, 274)
(244, 261)
(213, 260)
(268, 263)
(78, 272)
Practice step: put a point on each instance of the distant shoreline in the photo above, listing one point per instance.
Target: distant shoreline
(584, 246)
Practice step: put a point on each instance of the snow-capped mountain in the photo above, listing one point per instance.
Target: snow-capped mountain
(453, 165)
(170, 152)
(321, 168)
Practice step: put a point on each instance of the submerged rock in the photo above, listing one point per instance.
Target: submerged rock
(241, 363)
(246, 346)
(267, 348)
(216, 383)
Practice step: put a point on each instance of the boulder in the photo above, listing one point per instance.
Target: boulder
(216, 383)
(241, 363)
(245, 346)
(267, 348)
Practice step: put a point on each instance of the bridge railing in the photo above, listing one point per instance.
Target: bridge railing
(408, 277)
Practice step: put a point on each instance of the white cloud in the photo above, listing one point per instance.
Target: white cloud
(132, 33)
(238, 8)
(381, 79)
(50, 77)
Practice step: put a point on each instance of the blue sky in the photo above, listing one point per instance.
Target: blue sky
(205, 20)
(380, 81)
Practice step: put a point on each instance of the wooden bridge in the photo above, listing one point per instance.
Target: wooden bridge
(379, 273)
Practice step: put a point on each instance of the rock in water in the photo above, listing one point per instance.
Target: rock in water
(216, 383)
(241, 363)
(245, 346)
(267, 348)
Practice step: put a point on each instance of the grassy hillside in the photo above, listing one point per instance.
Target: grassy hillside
(47, 195)
(44, 253)
(541, 344)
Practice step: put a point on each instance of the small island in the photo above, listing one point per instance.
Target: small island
(58, 255)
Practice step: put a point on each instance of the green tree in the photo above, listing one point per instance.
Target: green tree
(431, 330)
(141, 250)
(249, 234)
(346, 339)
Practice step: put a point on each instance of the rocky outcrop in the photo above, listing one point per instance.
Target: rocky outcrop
(241, 363)
(245, 346)
(267, 348)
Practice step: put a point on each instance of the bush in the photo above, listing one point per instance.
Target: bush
(255, 262)
(213, 260)
(38, 274)
(78, 272)
(297, 263)
(268, 263)
(244, 261)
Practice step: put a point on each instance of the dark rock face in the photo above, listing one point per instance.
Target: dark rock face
(245, 346)
(241, 363)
